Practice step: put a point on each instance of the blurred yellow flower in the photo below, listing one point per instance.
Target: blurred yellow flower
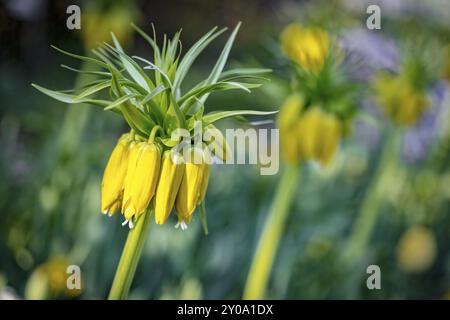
(49, 280)
(446, 68)
(287, 121)
(309, 135)
(399, 99)
(416, 249)
(308, 47)
(98, 25)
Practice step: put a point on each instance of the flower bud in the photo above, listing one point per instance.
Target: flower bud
(142, 178)
(172, 171)
(114, 176)
(192, 185)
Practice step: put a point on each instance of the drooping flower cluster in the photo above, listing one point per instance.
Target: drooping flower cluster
(399, 99)
(144, 172)
(137, 173)
(312, 134)
(313, 120)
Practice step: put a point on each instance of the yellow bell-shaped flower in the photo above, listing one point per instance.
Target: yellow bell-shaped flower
(308, 47)
(398, 98)
(114, 176)
(193, 186)
(142, 178)
(319, 134)
(172, 171)
(287, 121)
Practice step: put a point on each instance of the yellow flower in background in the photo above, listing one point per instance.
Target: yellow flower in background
(399, 99)
(193, 186)
(308, 47)
(114, 176)
(142, 178)
(287, 123)
(446, 68)
(416, 249)
(172, 171)
(49, 280)
(319, 135)
(98, 25)
(309, 135)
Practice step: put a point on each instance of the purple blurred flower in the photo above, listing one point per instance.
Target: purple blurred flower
(419, 138)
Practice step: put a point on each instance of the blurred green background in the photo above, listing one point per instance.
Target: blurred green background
(52, 157)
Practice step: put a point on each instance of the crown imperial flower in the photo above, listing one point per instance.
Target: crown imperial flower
(141, 174)
(399, 99)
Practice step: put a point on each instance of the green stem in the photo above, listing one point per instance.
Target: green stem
(130, 258)
(370, 208)
(268, 243)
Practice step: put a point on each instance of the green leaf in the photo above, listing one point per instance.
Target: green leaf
(220, 64)
(82, 58)
(119, 101)
(193, 53)
(132, 67)
(97, 73)
(154, 93)
(174, 117)
(243, 72)
(93, 89)
(69, 98)
(218, 86)
(219, 115)
(152, 43)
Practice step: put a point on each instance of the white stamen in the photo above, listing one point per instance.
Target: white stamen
(105, 212)
(181, 225)
(131, 224)
(124, 223)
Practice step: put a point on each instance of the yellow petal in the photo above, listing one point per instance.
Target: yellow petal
(308, 47)
(309, 127)
(145, 176)
(133, 150)
(331, 135)
(190, 189)
(114, 175)
(168, 186)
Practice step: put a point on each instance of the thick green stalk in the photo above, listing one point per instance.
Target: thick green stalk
(370, 208)
(130, 257)
(268, 243)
